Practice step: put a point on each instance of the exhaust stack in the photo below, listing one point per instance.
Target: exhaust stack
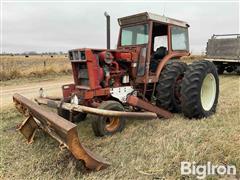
(108, 29)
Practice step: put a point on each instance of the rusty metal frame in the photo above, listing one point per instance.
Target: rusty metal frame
(95, 111)
(65, 132)
(137, 102)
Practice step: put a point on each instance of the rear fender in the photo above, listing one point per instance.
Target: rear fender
(167, 58)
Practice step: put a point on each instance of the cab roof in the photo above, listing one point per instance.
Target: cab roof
(144, 17)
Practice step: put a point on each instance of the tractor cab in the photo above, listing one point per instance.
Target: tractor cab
(158, 36)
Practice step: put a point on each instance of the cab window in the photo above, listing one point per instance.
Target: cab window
(134, 35)
(179, 38)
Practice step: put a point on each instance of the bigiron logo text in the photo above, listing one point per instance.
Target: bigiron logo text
(202, 171)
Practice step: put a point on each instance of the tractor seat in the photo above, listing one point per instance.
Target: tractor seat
(160, 53)
(157, 56)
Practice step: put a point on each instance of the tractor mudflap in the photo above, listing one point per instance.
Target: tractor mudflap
(65, 132)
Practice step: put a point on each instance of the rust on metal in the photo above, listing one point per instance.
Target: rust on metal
(60, 129)
(28, 129)
(112, 124)
(135, 101)
(95, 111)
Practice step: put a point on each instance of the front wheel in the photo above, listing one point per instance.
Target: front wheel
(200, 90)
(103, 125)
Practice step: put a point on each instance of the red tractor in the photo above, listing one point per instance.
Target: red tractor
(144, 77)
(146, 65)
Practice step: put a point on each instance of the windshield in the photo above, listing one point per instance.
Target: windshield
(134, 35)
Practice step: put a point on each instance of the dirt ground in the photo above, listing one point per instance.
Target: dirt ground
(144, 150)
(52, 87)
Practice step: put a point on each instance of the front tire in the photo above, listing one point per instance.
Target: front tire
(200, 90)
(103, 125)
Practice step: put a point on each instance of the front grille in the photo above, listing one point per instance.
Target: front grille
(83, 75)
(78, 59)
(76, 55)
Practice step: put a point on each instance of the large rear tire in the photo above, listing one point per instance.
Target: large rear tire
(200, 90)
(169, 86)
(103, 125)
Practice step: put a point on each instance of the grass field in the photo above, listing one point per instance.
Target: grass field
(36, 66)
(13, 68)
(144, 150)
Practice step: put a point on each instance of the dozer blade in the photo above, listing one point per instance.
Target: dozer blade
(65, 132)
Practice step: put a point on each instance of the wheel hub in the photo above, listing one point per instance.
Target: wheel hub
(112, 123)
(208, 92)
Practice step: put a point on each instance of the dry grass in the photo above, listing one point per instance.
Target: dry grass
(144, 150)
(191, 58)
(15, 67)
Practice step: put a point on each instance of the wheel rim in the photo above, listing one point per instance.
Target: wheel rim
(112, 124)
(208, 92)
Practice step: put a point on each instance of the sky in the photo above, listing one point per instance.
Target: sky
(60, 26)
